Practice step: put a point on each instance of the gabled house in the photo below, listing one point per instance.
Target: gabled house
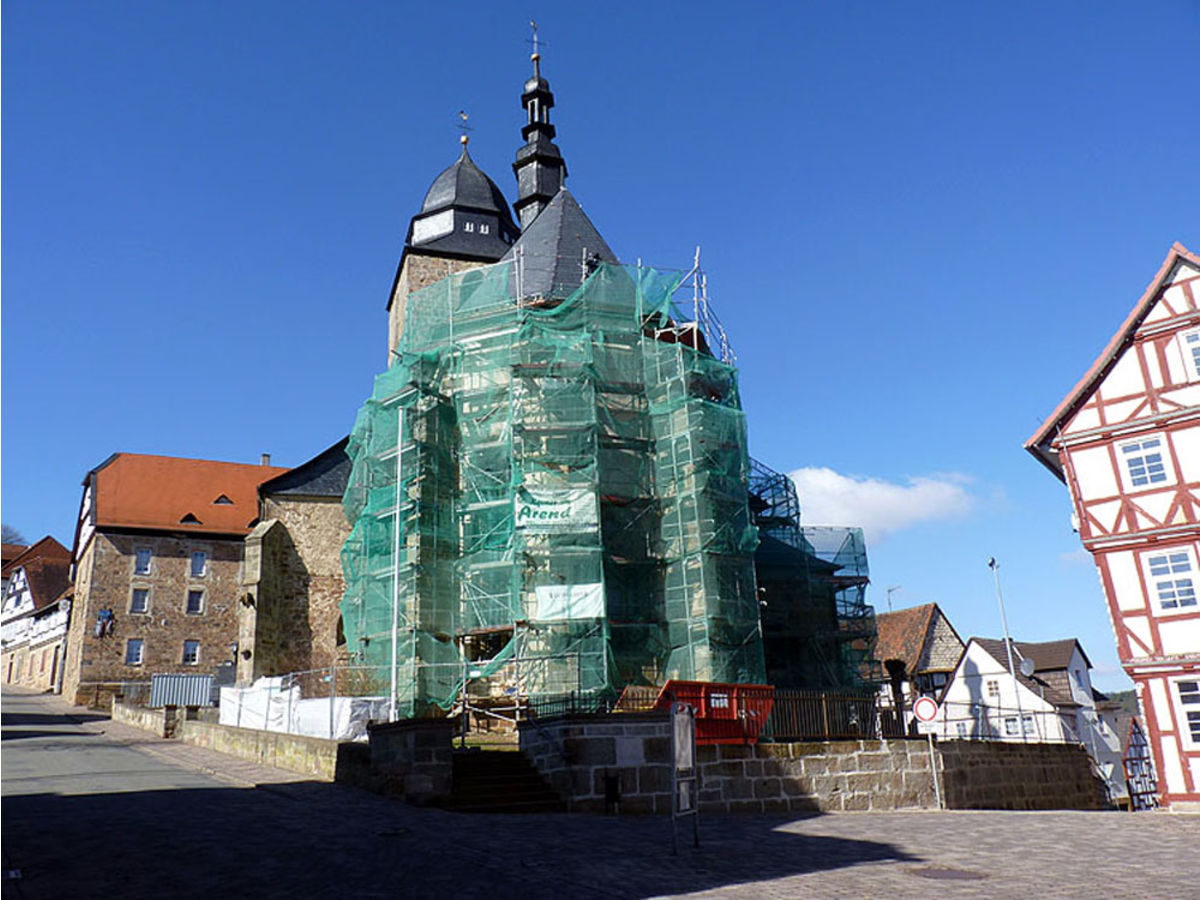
(34, 613)
(158, 558)
(1126, 443)
(919, 649)
(1051, 700)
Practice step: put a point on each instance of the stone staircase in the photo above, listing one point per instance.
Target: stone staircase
(500, 781)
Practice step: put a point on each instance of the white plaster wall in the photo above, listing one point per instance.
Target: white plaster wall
(1123, 572)
(1179, 637)
(1125, 379)
(1094, 472)
(1139, 627)
(1187, 450)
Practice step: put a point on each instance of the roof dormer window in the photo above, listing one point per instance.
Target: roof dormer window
(468, 227)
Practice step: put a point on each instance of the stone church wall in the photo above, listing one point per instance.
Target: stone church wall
(293, 586)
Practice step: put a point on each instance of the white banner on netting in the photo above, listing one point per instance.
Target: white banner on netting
(569, 601)
(544, 511)
(271, 705)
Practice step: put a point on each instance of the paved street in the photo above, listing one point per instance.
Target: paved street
(95, 809)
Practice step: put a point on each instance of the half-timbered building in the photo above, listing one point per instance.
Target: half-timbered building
(1126, 442)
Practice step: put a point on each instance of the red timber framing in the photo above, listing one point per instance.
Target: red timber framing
(1126, 442)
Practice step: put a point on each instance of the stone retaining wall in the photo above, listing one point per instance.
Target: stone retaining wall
(159, 721)
(581, 756)
(317, 757)
(413, 758)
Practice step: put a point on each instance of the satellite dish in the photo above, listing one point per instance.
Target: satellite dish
(1027, 667)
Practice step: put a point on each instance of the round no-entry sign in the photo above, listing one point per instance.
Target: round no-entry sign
(925, 709)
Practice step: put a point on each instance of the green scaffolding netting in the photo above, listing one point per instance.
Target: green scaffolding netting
(549, 496)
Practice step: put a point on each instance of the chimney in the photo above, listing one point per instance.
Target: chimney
(266, 459)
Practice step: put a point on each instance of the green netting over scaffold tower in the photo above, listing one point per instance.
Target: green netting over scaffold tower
(548, 496)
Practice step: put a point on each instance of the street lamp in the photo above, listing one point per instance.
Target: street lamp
(1012, 670)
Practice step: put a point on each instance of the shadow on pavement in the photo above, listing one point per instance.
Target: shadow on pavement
(16, 719)
(313, 839)
(16, 734)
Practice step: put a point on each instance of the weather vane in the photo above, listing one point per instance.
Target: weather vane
(537, 45)
(464, 127)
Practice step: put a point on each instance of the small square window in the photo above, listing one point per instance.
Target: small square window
(1171, 576)
(191, 653)
(1144, 461)
(133, 652)
(1027, 724)
(141, 564)
(199, 563)
(993, 688)
(195, 603)
(484, 229)
(140, 601)
(961, 728)
(1010, 726)
(1190, 340)
(469, 227)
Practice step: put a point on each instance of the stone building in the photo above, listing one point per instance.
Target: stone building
(158, 567)
(288, 619)
(33, 618)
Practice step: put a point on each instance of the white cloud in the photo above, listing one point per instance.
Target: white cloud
(880, 507)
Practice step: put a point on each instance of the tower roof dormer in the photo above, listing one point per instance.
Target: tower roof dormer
(464, 215)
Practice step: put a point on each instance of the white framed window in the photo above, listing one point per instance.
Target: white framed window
(134, 648)
(1171, 579)
(468, 227)
(141, 561)
(199, 563)
(1027, 724)
(195, 603)
(1144, 462)
(139, 601)
(1189, 343)
(1010, 726)
(484, 229)
(191, 653)
(1187, 700)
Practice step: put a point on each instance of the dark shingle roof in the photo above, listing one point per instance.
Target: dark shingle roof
(47, 566)
(325, 475)
(552, 252)
(465, 188)
(1050, 660)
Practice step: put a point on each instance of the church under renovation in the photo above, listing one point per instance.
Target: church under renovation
(551, 492)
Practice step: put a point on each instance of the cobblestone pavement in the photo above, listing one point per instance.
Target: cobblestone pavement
(96, 809)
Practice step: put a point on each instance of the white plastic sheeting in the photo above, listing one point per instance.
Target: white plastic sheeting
(270, 704)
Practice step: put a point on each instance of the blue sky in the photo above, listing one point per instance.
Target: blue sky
(921, 223)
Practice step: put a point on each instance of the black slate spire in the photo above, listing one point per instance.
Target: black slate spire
(539, 167)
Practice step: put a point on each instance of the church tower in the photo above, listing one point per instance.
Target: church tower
(464, 223)
(539, 167)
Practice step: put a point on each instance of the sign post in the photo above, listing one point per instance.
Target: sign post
(925, 711)
(685, 797)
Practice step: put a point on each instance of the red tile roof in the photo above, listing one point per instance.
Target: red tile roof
(9, 552)
(902, 634)
(163, 492)
(1039, 442)
(47, 566)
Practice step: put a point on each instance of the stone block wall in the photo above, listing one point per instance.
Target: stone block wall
(157, 721)
(581, 755)
(413, 758)
(1003, 775)
(317, 757)
(95, 665)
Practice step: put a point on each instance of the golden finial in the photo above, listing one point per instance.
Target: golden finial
(463, 138)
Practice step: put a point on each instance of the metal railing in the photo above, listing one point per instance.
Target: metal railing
(823, 716)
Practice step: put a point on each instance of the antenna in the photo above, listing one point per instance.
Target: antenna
(890, 591)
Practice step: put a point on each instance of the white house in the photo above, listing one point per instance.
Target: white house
(1126, 443)
(1051, 700)
(34, 615)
